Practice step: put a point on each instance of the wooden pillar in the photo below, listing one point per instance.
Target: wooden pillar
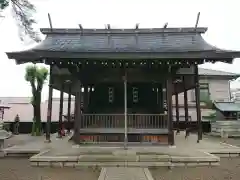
(177, 113)
(60, 123)
(197, 98)
(49, 109)
(169, 108)
(77, 112)
(186, 108)
(125, 109)
(69, 108)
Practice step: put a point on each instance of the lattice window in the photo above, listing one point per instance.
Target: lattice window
(110, 94)
(135, 94)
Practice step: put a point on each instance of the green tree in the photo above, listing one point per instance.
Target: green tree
(22, 12)
(36, 76)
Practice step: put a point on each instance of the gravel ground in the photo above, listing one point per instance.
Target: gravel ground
(20, 169)
(229, 169)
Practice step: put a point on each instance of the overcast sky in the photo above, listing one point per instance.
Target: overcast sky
(220, 16)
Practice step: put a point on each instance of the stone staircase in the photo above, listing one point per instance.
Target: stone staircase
(123, 158)
(122, 173)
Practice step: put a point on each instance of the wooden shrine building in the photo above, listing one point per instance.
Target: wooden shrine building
(123, 80)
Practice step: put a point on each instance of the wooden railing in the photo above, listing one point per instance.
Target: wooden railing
(138, 121)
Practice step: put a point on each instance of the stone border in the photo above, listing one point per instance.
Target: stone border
(110, 161)
(102, 175)
(226, 144)
(148, 174)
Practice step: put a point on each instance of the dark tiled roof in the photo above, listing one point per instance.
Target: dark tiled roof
(155, 40)
(158, 43)
(227, 106)
(212, 72)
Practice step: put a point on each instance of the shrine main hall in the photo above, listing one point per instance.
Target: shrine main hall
(123, 80)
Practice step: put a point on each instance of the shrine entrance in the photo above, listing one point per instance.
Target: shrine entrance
(132, 75)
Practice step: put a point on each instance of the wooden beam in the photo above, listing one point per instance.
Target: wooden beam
(169, 106)
(77, 110)
(177, 112)
(69, 108)
(197, 98)
(185, 107)
(49, 110)
(60, 122)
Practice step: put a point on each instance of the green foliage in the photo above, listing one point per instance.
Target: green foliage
(3, 4)
(212, 115)
(209, 104)
(36, 76)
(22, 11)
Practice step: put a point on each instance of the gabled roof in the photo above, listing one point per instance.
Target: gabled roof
(212, 72)
(159, 43)
(227, 106)
(127, 40)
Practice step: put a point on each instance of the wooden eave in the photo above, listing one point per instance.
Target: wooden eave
(42, 56)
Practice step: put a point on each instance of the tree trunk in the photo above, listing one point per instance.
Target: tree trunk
(34, 121)
(38, 125)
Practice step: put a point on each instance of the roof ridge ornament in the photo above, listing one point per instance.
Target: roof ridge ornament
(136, 32)
(50, 22)
(81, 28)
(108, 27)
(137, 26)
(164, 27)
(197, 21)
(196, 26)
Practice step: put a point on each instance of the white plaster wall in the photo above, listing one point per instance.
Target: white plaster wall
(219, 90)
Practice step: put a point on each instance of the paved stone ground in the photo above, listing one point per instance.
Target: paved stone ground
(20, 140)
(27, 141)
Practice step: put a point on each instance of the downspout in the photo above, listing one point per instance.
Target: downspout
(229, 90)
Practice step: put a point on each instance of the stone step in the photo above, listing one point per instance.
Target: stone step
(124, 158)
(120, 173)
